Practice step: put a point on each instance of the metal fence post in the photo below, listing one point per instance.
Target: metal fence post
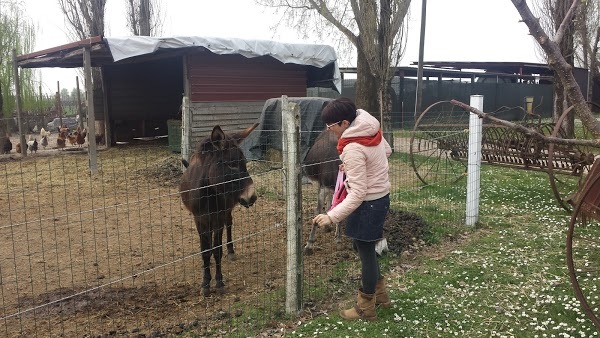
(474, 162)
(290, 117)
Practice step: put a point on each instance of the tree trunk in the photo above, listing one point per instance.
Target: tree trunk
(366, 86)
(4, 124)
(144, 17)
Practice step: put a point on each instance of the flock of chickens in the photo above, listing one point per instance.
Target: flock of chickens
(75, 138)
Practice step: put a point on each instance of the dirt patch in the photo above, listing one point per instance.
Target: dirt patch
(116, 253)
(404, 231)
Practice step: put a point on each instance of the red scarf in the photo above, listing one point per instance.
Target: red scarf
(369, 141)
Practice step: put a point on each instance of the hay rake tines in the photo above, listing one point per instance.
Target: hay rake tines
(438, 154)
(439, 148)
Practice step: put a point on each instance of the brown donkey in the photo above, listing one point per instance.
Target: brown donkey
(216, 180)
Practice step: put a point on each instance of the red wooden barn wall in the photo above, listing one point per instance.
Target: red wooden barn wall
(226, 78)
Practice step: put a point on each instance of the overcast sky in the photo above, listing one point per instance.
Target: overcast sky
(457, 30)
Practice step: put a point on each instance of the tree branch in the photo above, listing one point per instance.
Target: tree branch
(560, 66)
(560, 32)
(322, 9)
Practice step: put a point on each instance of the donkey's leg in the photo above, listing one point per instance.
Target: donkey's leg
(205, 249)
(338, 235)
(321, 208)
(218, 254)
(228, 225)
(324, 202)
(308, 249)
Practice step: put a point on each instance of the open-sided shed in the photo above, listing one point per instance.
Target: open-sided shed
(147, 81)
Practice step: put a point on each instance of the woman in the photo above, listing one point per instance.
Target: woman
(364, 154)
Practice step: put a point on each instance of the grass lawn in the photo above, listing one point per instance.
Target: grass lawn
(507, 277)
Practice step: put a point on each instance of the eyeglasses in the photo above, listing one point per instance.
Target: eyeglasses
(331, 125)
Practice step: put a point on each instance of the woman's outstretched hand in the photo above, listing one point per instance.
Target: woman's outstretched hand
(322, 220)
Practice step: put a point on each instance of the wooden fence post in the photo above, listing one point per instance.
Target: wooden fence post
(290, 118)
(87, 63)
(18, 103)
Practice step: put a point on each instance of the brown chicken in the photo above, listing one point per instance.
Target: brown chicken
(99, 138)
(61, 140)
(81, 134)
(18, 148)
(6, 145)
(72, 137)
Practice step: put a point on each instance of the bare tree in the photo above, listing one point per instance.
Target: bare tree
(374, 27)
(144, 17)
(16, 32)
(552, 14)
(558, 62)
(587, 38)
(85, 17)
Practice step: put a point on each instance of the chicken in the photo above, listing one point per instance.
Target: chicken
(44, 141)
(99, 138)
(43, 132)
(32, 145)
(6, 145)
(81, 134)
(72, 137)
(18, 147)
(61, 140)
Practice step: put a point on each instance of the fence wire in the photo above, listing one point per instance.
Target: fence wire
(117, 253)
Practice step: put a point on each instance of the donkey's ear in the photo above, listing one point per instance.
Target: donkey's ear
(217, 137)
(240, 136)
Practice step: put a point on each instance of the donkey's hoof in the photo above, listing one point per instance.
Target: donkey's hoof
(220, 288)
(205, 291)
(231, 256)
(308, 251)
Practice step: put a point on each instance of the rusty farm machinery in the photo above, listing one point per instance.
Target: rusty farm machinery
(567, 152)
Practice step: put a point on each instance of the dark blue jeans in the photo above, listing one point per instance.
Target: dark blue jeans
(366, 222)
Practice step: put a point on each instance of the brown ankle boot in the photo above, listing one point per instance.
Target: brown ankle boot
(381, 296)
(363, 309)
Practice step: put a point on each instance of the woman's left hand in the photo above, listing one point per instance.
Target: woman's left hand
(322, 220)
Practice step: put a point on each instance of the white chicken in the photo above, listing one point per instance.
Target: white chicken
(43, 132)
(44, 141)
(32, 144)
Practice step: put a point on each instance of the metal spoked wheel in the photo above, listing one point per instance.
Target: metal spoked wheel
(438, 144)
(568, 165)
(583, 248)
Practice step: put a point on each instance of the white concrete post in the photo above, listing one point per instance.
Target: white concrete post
(474, 162)
(290, 118)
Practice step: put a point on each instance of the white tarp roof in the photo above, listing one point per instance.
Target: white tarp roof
(297, 53)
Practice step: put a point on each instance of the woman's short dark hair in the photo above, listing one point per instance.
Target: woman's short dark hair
(339, 110)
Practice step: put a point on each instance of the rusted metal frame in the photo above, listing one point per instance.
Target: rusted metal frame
(526, 131)
(68, 46)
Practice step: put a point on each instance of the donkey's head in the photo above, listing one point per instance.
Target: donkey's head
(224, 165)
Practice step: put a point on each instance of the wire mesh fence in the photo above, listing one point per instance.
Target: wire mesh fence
(118, 253)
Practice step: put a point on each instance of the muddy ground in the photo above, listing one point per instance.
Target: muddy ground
(115, 253)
